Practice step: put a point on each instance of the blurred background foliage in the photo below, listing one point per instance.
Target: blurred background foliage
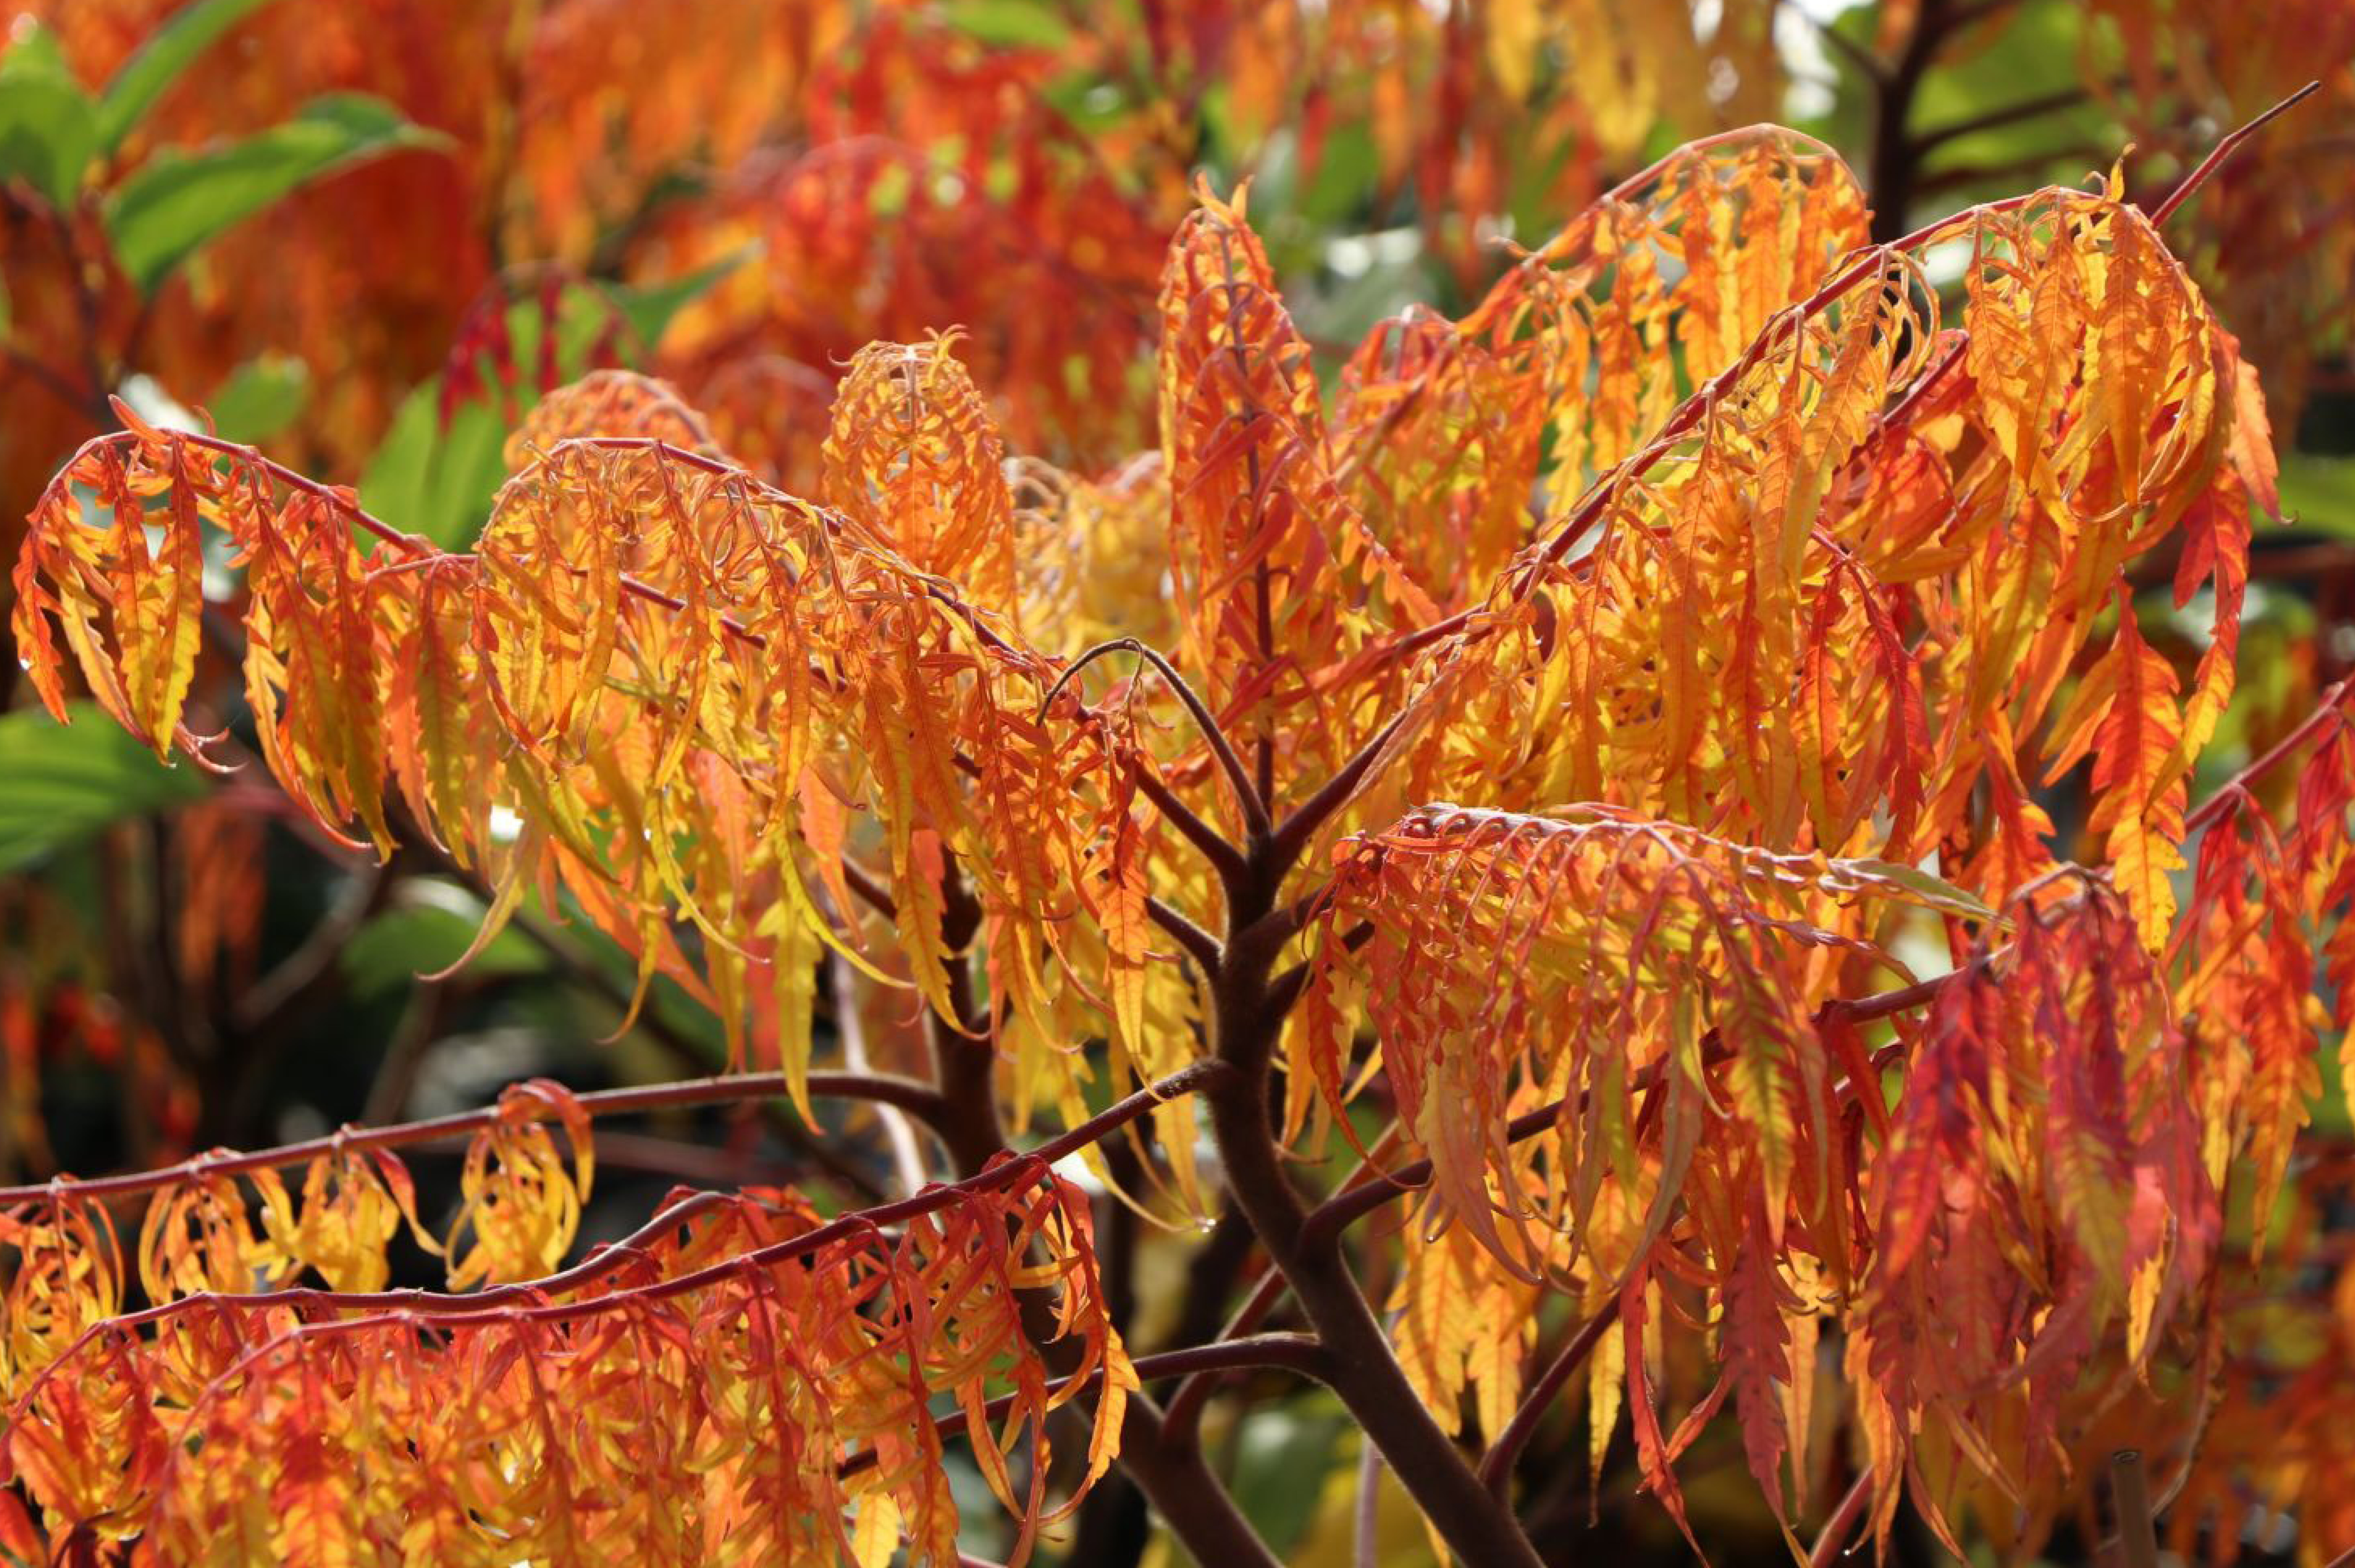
(366, 235)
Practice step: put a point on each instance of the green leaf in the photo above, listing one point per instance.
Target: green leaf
(48, 123)
(1348, 168)
(2318, 491)
(1284, 1457)
(260, 398)
(428, 931)
(1009, 24)
(158, 63)
(651, 307)
(1092, 103)
(435, 482)
(439, 482)
(2030, 54)
(179, 202)
(60, 784)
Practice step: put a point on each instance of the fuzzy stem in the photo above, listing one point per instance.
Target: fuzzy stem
(1366, 1373)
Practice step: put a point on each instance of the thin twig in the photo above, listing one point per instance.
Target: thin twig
(1904, 998)
(1837, 1529)
(2325, 713)
(1497, 1465)
(1291, 838)
(1290, 1352)
(2223, 150)
(916, 1099)
(1254, 808)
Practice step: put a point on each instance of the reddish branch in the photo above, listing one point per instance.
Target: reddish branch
(1254, 806)
(918, 1099)
(1842, 1523)
(527, 1303)
(1497, 1465)
(2223, 150)
(2333, 709)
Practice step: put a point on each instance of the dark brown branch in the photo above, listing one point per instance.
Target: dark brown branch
(1894, 164)
(1366, 1374)
(1204, 949)
(2130, 1490)
(1224, 858)
(871, 892)
(1291, 838)
(2331, 709)
(1993, 119)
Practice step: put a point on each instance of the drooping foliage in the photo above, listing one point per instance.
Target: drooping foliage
(742, 1380)
(1630, 714)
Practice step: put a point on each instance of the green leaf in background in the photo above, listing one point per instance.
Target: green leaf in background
(1009, 24)
(650, 307)
(167, 52)
(48, 123)
(1285, 1453)
(260, 398)
(178, 202)
(426, 931)
(2318, 491)
(435, 482)
(1091, 102)
(439, 482)
(62, 783)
